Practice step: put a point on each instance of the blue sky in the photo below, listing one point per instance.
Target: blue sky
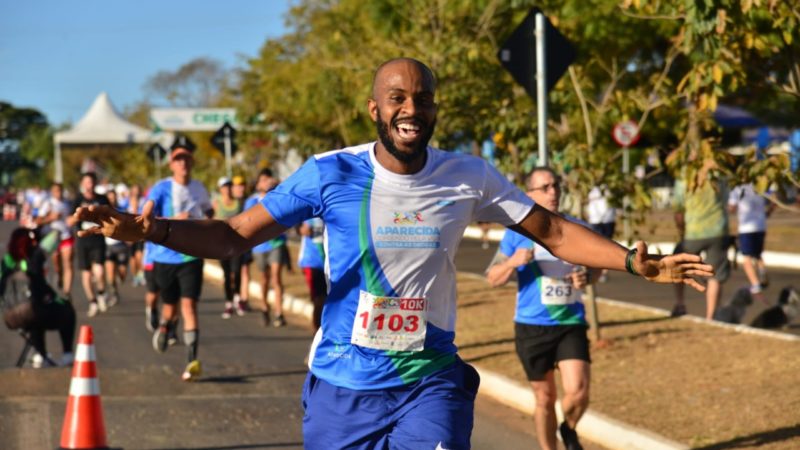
(56, 56)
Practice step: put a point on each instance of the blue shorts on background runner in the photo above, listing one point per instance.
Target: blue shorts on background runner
(435, 412)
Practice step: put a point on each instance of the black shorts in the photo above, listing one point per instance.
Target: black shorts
(150, 281)
(176, 281)
(540, 348)
(137, 246)
(118, 253)
(246, 257)
(90, 251)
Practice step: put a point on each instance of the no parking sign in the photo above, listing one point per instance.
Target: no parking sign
(626, 133)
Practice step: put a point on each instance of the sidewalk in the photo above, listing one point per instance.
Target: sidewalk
(594, 426)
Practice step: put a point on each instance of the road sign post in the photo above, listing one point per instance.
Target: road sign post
(541, 91)
(223, 140)
(228, 168)
(157, 153)
(626, 134)
(536, 54)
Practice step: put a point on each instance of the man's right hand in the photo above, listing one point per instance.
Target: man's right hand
(118, 225)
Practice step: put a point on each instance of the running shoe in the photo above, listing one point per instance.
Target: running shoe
(228, 312)
(101, 302)
(192, 371)
(172, 334)
(160, 339)
(150, 318)
(265, 318)
(242, 307)
(279, 321)
(570, 437)
(113, 299)
(92, 309)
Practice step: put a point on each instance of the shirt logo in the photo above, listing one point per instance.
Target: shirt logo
(407, 218)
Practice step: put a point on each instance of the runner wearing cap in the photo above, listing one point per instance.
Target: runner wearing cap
(179, 277)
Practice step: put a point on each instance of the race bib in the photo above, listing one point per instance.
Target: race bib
(390, 323)
(557, 291)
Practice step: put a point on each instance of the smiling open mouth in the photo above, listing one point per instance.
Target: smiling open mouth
(408, 131)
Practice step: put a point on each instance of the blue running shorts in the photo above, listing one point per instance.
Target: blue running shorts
(435, 412)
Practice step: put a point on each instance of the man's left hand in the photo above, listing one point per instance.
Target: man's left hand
(680, 268)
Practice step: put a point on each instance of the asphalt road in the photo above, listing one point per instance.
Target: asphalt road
(248, 397)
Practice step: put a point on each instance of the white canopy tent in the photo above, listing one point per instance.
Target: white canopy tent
(103, 125)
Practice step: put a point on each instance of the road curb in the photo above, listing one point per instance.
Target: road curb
(593, 426)
(771, 258)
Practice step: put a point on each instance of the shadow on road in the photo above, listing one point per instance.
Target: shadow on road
(757, 439)
(245, 378)
(617, 323)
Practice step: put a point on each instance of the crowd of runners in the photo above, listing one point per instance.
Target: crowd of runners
(172, 281)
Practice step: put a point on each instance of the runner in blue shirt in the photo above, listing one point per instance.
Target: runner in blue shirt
(383, 369)
(179, 276)
(550, 328)
(270, 256)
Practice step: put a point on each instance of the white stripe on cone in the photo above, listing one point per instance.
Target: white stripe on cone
(84, 386)
(85, 352)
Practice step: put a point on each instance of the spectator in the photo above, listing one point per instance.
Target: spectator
(702, 220)
(48, 311)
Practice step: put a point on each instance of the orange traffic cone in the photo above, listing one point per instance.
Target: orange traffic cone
(84, 427)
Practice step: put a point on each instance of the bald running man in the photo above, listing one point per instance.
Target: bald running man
(384, 372)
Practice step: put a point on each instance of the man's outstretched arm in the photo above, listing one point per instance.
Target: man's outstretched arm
(579, 245)
(216, 239)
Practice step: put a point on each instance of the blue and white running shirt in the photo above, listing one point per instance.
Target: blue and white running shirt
(312, 248)
(544, 295)
(389, 317)
(271, 244)
(171, 198)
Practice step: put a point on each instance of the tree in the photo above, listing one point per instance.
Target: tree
(26, 141)
(194, 84)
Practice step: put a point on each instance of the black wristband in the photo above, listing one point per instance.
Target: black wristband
(629, 262)
(166, 235)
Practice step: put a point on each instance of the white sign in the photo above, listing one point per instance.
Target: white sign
(626, 133)
(192, 119)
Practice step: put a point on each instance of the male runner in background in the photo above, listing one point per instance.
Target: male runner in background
(179, 277)
(549, 324)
